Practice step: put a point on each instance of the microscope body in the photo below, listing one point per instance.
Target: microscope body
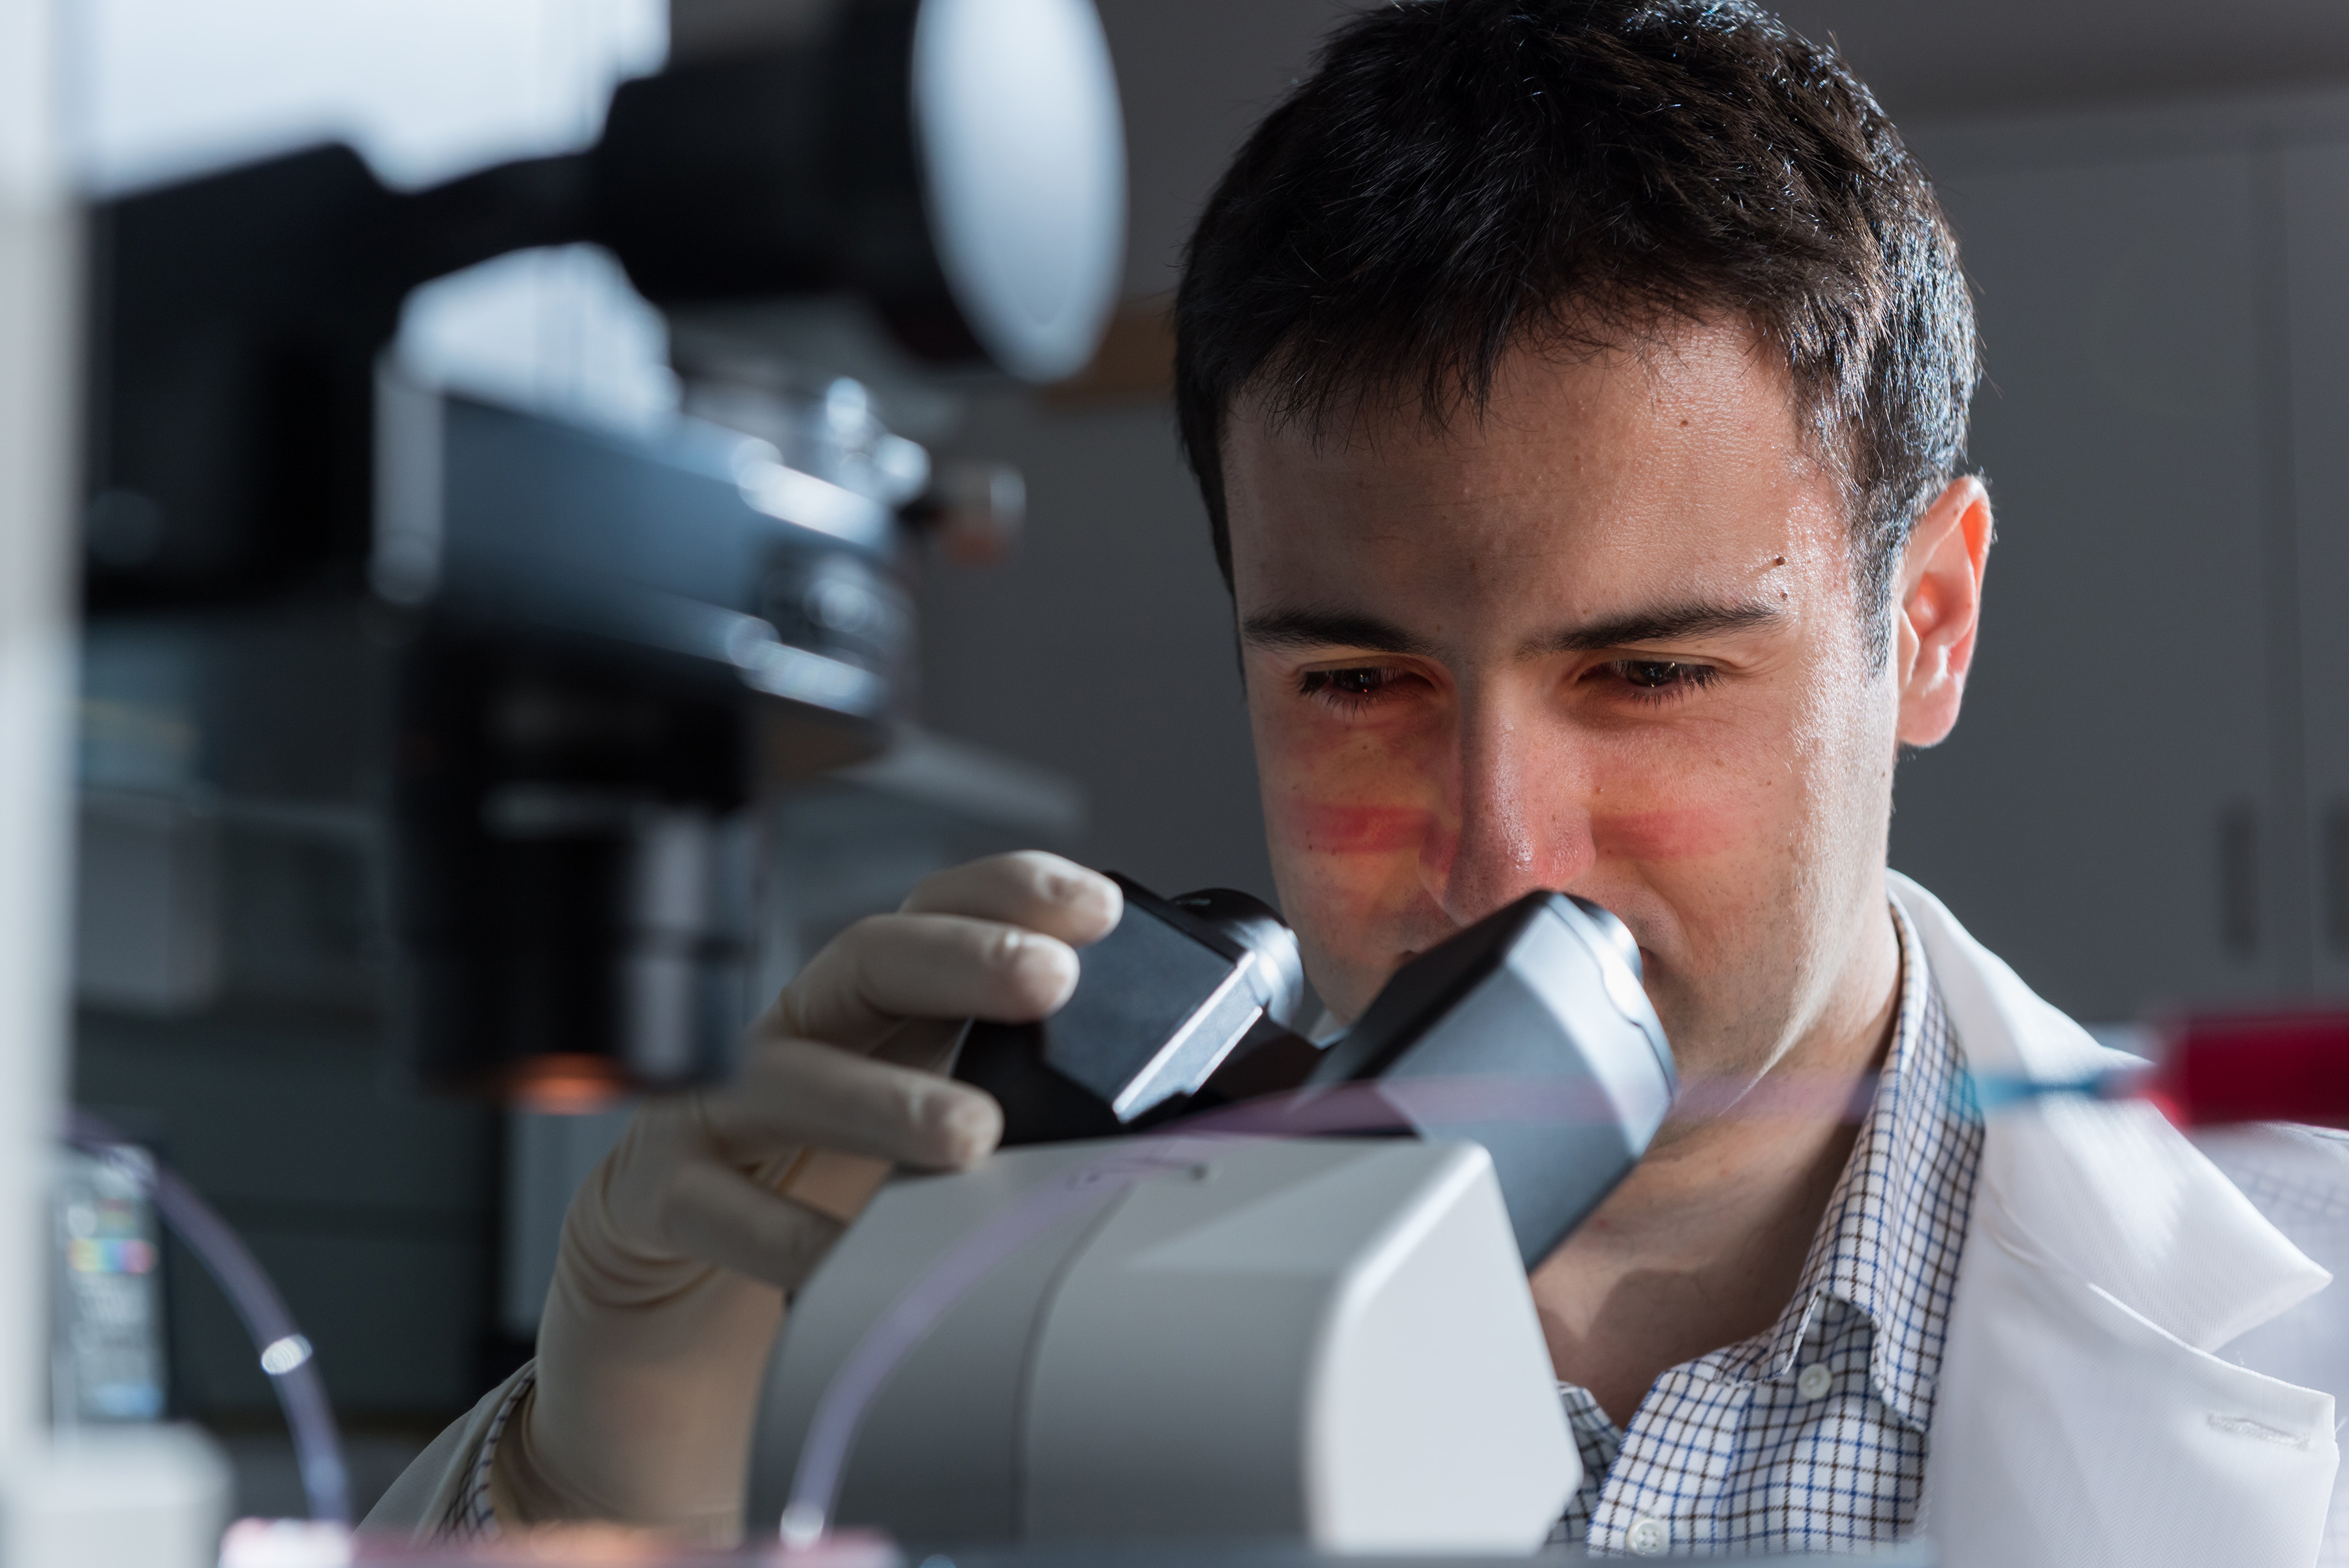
(1317, 1340)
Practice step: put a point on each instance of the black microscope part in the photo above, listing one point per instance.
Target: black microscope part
(1161, 1003)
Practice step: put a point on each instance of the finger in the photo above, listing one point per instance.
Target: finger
(723, 1217)
(888, 968)
(799, 1091)
(1042, 892)
(925, 1045)
(839, 1185)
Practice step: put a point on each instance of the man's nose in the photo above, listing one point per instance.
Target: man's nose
(1521, 825)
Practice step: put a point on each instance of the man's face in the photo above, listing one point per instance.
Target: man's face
(1604, 640)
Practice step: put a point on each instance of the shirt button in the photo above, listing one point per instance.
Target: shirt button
(1814, 1381)
(1647, 1537)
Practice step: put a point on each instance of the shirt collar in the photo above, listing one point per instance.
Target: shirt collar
(1888, 1242)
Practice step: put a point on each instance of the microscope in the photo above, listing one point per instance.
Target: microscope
(1225, 1283)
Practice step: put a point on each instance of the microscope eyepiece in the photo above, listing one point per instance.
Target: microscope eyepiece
(1257, 927)
(1619, 935)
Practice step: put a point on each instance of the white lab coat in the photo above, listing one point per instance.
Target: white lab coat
(2085, 1413)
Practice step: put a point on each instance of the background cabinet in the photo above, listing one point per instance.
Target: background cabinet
(2152, 771)
(2315, 184)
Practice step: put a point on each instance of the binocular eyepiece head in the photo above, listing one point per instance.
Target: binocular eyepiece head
(1529, 1032)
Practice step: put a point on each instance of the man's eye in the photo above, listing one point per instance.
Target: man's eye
(1660, 676)
(1346, 687)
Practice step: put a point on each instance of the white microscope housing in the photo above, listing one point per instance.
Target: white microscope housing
(1327, 1342)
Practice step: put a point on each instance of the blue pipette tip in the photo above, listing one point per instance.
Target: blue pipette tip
(1997, 1092)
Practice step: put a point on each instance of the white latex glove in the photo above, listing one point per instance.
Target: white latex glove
(678, 1252)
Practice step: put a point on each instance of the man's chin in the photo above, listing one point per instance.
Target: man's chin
(1700, 1104)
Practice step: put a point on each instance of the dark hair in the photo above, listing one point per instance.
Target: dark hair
(1458, 178)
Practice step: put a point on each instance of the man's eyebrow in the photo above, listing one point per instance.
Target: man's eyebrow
(1663, 623)
(1300, 631)
(1304, 629)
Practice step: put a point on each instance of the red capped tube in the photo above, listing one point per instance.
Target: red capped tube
(2251, 1067)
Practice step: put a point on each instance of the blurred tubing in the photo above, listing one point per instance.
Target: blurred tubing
(285, 1353)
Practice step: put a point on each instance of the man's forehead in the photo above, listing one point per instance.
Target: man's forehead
(1583, 418)
(1565, 375)
(1640, 479)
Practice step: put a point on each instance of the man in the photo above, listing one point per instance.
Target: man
(1577, 390)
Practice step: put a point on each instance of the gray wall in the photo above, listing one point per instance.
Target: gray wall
(1197, 76)
(2124, 812)
(1103, 649)
(1995, 56)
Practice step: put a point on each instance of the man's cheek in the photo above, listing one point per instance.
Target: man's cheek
(1338, 827)
(1714, 793)
(1310, 826)
(1679, 832)
(1691, 872)
(1350, 879)
(1347, 791)
(1357, 867)
(1355, 915)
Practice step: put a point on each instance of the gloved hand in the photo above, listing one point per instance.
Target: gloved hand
(678, 1252)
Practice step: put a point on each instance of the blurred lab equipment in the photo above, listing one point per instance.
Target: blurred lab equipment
(618, 626)
(554, 667)
(128, 1175)
(2225, 1070)
(1222, 1329)
(956, 164)
(609, 640)
(106, 1346)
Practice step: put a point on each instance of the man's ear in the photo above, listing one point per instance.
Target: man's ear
(1939, 608)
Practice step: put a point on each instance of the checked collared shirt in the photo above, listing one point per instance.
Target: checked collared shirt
(1811, 1437)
